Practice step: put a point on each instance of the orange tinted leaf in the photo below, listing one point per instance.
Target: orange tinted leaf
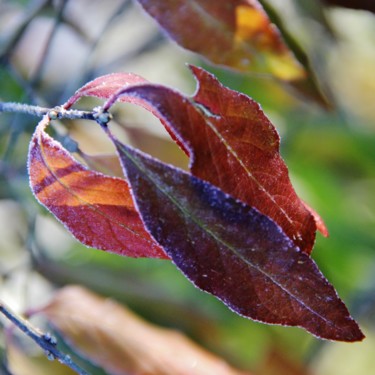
(98, 210)
(233, 145)
(234, 33)
(319, 222)
(122, 343)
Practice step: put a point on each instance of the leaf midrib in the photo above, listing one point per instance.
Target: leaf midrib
(248, 173)
(218, 239)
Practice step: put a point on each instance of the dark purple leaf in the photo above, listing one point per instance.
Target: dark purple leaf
(234, 252)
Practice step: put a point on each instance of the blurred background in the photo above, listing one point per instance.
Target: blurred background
(48, 49)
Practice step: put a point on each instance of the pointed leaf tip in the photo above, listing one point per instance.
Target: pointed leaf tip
(234, 252)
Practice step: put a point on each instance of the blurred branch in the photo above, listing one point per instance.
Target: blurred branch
(85, 73)
(30, 14)
(155, 41)
(44, 340)
(43, 58)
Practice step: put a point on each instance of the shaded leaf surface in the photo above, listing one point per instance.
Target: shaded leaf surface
(122, 343)
(233, 145)
(235, 33)
(98, 210)
(234, 252)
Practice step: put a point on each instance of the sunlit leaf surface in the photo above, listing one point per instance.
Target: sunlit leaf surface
(98, 210)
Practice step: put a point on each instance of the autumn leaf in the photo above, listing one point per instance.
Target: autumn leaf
(232, 251)
(233, 33)
(105, 86)
(98, 210)
(120, 342)
(233, 145)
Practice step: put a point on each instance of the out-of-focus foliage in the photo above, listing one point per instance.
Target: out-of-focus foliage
(330, 156)
(127, 343)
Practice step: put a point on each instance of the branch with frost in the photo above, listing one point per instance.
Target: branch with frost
(44, 340)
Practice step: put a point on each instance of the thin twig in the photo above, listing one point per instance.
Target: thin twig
(84, 73)
(54, 113)
(44, 340)
(11, 44)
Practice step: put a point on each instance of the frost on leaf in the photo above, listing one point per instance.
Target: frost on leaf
(233, 145)
(98, 210)
(233, 251)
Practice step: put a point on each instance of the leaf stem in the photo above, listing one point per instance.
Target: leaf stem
(46, 341)
(54, 113)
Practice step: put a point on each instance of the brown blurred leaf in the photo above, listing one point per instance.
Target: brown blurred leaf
(277, 362)
(122, 343)
(236, 33)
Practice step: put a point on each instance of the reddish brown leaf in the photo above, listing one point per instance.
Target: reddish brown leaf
(234, 252)
(234, 33)
(277, 362)
(252, 145)
(105, 86)
(122, 343)
(233, 145)
(98, 210)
